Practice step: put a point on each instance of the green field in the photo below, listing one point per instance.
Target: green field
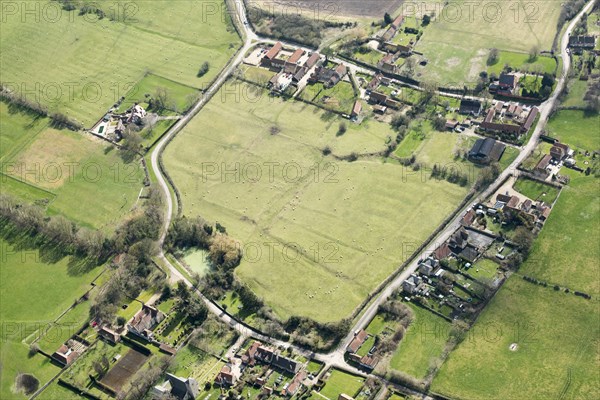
(521, 62)
(197, 261)
(32, 294)
(423, 342)
(577, 89)
(557, 254)
(340, 97)
(340, 382)
(557, 353)
(536, 190)
(100, 59)
(319, 215)
(579, 129)
(61, 165)
(457, 44)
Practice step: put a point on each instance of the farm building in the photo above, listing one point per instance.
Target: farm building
(270, 55)
(486, 150)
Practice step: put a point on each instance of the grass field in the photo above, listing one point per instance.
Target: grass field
(340, 382)
(320, 224)
(424, 341)
(577, 90)
(81, 65)
(557, 353)
(521, 62)
(340, 97)
(579, 129)
(197, 261)
(457, 43)
(32, 294)
(60, 165)
(536, 190)
(557, 254)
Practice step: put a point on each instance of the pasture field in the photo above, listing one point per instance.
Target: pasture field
(423, 342)
(180, 97)
(81, 167)
(536, 190)
(458, 40)
(557, 254)
(577, 90)
(340, 382)
(80, 65)
(579, 129)
(17, 129)
(557, 347)
(318, 214)
(61, 330)
(33, 293)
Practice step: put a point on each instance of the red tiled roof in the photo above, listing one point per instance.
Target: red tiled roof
(296, 56)
(273, 51)
(358, 340)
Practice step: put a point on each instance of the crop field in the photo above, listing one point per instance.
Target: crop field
(556, 335)
(424, 341)
(536, 190)
(32, 294)
(80, 65)
(458, 40)
(124, 369)
(318, 214)
(82, 168)
(579, 129)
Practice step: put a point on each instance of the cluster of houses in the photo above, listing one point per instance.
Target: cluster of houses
(378, 100)
(502, 118)
(560, 154)
(368, 361)
(112, 125)
(259, 354)
(393, 50)
(292, 68)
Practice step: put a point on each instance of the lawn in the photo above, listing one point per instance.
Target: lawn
(340, 382)
(577, 128)
(339, 98)
(536, 190)
(306, 227)
(577, 89)
(60, 331)
(521, 62)
(557, 348)
(457, 43)
(484, 269)
(32, 294)
(423, 342)
(82, 168)
(81, 65)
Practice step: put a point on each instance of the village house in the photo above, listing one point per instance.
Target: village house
(468, 218)
(109, 335)
(507, 82)
(292, 388)
(541, 169)
(374, 83)
(487, 150)
(225, 377)
(65, 354)
(344, 396)
(559, 151)
(470, 107)
(329, 77)
(271, 54)
(412, 284)
(582, 42)
(377, 98)
(428, 266)
(143, 322)
(359, 339)
(388, 63)
(266, 355)
(451, 124)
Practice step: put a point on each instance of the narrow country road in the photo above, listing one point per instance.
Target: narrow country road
(336, 358)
